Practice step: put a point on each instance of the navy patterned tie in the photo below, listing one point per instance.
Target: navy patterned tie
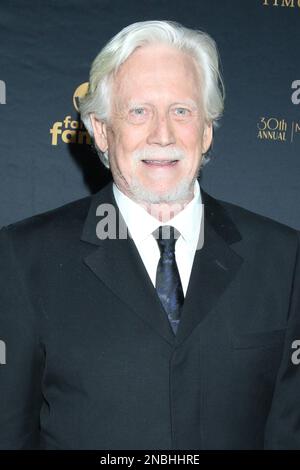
(168, 283)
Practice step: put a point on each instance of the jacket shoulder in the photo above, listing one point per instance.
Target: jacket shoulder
(230, 218)
(52, 223)
(252, 220)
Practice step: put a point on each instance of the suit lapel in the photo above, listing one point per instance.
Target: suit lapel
(215, 266)
(117, 264)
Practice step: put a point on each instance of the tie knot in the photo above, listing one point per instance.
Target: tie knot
(166, 237)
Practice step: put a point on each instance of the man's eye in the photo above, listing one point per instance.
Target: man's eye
(138, 111)
(138, 114)
(182, 112)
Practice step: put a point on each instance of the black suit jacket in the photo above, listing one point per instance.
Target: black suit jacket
(92, 362)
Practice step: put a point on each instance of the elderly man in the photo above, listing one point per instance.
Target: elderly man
(176, 329)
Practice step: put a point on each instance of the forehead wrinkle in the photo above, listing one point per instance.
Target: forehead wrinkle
(147, 79)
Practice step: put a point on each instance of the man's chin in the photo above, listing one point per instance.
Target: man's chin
(179, 193)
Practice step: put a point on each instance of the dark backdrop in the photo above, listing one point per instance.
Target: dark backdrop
(46, 51)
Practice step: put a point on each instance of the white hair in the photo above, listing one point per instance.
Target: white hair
(196, 43)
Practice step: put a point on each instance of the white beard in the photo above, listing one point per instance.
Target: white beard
(182, 192)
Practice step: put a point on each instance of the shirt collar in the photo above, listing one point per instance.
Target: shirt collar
(141, 224)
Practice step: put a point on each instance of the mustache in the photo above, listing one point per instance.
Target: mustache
(167, 153)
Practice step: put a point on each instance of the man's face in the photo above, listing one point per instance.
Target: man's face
(156, 134)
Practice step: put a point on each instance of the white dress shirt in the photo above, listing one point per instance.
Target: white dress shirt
(141, 224)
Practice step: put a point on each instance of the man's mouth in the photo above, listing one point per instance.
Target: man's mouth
(160, 162)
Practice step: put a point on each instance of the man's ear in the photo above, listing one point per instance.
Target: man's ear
(207, 137)
(100, 133)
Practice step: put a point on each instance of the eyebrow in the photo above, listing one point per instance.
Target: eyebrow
(136, 104)
(190, 103)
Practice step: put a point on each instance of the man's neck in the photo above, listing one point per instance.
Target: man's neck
(165, 211)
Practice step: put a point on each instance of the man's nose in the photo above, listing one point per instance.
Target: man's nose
(161, 131)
